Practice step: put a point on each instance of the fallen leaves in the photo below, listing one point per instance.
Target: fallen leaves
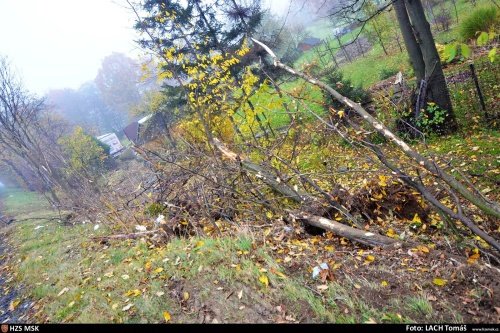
(147, 266)
(264, 280)
(166, 316)
(391, 233)
(125, 276)
(474, 256)
(369, 258)
(135, 293)
(423, 248)
(278, 273)
(439, 282)
(382, 180)
(13, 304)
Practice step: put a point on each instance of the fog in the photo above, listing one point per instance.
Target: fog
(57, 44)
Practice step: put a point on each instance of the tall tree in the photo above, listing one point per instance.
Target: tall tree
(193, 27)
(413, 20)
(378, 26)
(117, 81)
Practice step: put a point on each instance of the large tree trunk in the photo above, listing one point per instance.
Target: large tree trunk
(411, 44)
(438, 91)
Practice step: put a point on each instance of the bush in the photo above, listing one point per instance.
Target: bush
(85, 154)
(481, 19)
(344, 87)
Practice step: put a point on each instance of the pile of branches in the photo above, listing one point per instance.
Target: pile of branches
(199, 185)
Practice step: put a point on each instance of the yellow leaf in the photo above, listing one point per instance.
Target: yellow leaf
(269, 215)
(115, 306)
(278, 273)
(439, 282)
(370, 258)
(147, 266)
(264, 280)
(416, 219)
(158, 270)
(166, 316)
(473, 258)
(423, 248)
(185, 296)
(343, 241)
(384, 283)
(391, 233)
(70, 305)
(340, 113)
(14, 304)
(382, 180)
(199, 244)
(135, 293)
(329, 248)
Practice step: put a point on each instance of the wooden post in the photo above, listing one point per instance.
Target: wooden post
(478, 89)
(343, 49)
(327, 46)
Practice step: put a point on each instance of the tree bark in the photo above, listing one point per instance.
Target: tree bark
(438, 91)
(411, 44)
(361, 236)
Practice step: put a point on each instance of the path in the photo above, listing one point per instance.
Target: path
(10, 310)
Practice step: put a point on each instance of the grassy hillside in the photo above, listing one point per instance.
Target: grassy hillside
(74, 277)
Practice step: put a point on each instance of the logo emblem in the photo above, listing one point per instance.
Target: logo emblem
(5, 328)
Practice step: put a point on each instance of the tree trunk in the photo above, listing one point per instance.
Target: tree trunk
(361, 236)
(411, 44)
(438, 91)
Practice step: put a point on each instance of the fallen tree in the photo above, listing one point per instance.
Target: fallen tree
(487, 206)
(357, 235)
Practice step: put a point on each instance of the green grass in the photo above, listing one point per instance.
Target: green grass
(18, 201)
(480, 19)
(365, 71)
(419, 305)
(76, 279)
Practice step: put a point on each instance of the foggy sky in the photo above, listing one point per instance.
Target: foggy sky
(60, 43)
(57, 44)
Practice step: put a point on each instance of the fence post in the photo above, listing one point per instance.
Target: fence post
(478, 89)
